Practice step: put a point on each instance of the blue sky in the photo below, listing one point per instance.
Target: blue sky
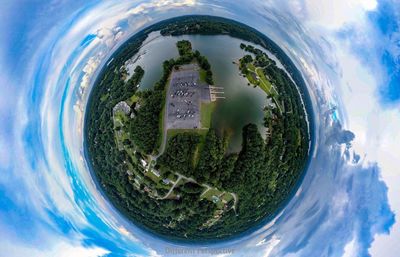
(347, 51)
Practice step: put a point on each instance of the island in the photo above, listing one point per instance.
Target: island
(159, 156)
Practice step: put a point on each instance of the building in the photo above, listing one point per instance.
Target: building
(143, 162)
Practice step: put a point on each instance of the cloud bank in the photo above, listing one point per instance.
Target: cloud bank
(348, 54)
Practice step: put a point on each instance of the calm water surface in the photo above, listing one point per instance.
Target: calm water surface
(243, 104)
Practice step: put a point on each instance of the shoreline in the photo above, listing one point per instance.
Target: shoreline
(307, 105)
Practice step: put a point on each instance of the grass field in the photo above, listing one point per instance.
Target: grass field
(104, 97)
(251, 79)
(149, 178)
(162, 116)
(131, 168)
(265, 84)
(153, 177)
(262, 81)
(257, 77)
(210, 193)
(161, 128)
(202, 74)
(155, 182)
(172, 177)
(200, 146)
(298, 134)
(174, 132)
(227, 197)
(118, 120)
(206, 110)
(133, 99)
(251, 67)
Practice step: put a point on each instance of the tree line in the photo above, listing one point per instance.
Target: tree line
(262, 174)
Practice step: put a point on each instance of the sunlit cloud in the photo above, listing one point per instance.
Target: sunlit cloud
(343, 205)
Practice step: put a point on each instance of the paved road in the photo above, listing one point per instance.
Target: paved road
(235, 198)
(205, 191)
(164, 129)
(172, 188)
(164, 138)
(208, 187)
(234, 195)
(180, 176)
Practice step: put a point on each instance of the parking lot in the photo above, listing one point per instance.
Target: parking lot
(183, 99)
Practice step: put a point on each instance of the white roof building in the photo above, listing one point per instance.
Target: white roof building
(155, 172)
(144, 163)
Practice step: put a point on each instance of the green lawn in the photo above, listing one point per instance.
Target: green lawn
(262, 82)
(206, 110)
(251, 79)
(172, 195)
(220, 205)
(119, 119)
(153, 177)
(162, 116)
(209, 194)
(203, 75)
(172, 177)
(213, 191)
(251, 67)
(227, 197)
(161, 185)
(174, 132)
(200, 146)
(181, 182)
(129, 151)
(133, 99)
(104, 97)
(161, 128)
(298, 134)
(265, 83)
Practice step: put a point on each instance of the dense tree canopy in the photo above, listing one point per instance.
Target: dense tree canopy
(179, 154)
(144, 127)
(262, 175)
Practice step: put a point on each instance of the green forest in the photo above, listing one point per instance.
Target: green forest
(262, 175)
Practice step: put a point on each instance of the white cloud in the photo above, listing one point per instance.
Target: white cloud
(269, 247)
(64, 250)
(5, 150)
(335, 14)
(380, 143)
(376, 129)
(61, 249)
(44, 243)
(351, 249)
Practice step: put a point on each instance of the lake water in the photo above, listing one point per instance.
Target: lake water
(243, 104)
